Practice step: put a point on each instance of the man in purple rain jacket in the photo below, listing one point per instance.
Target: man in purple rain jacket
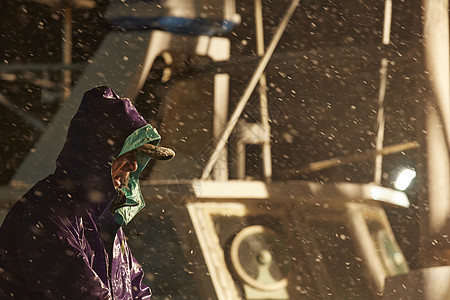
(63, 239)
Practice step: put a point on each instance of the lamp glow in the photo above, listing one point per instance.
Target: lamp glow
(404, 179)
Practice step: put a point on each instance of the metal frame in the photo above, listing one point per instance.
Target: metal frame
(249, 90)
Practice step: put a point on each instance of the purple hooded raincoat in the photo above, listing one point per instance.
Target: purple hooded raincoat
(60, 241)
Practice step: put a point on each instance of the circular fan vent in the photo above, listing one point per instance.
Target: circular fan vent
(261, 258)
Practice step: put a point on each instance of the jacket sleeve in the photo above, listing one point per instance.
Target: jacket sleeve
(53, 260)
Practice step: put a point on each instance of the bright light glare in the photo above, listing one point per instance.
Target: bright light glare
(404, 179)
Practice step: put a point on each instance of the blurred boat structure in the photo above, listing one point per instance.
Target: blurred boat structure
(217, 234)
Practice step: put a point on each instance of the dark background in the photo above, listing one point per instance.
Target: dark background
(323, 86)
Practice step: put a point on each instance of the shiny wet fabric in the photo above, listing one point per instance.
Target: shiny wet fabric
(60, 240)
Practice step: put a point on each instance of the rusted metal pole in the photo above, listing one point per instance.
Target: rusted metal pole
(67, 52)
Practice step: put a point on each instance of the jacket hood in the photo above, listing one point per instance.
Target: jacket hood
(104, 127)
